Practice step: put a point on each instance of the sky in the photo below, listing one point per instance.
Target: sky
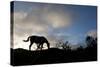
(56, 22)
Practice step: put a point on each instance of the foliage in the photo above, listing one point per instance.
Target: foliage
(64, 45)
(91, 42)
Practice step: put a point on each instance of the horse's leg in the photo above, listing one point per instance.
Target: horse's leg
(48, 45)
(41, 46)
(30, 45)
(38, 46)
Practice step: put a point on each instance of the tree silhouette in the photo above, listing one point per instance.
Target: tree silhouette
(91, 42)
(65, 46)
(59, 44)
(80, 48)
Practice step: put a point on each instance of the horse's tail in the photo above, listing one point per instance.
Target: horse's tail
(27, 39)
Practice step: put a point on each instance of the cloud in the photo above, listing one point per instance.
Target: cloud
(92, 33)
(58, 20)
(40, 20)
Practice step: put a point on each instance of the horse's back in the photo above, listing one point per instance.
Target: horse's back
(38, 38)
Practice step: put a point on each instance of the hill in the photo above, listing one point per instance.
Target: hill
(52, 55)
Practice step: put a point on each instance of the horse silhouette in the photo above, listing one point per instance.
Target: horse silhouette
(39, 40)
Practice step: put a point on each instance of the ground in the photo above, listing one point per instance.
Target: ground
(52, 55)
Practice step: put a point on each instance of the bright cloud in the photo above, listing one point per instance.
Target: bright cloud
(53, 21)
(58, 19)
(92, 33)
(39, 21)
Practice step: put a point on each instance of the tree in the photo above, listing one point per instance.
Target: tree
(65, 46)
(80, 48)
(91, 42)
(59, 44)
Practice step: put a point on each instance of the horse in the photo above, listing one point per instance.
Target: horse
(39, 40)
